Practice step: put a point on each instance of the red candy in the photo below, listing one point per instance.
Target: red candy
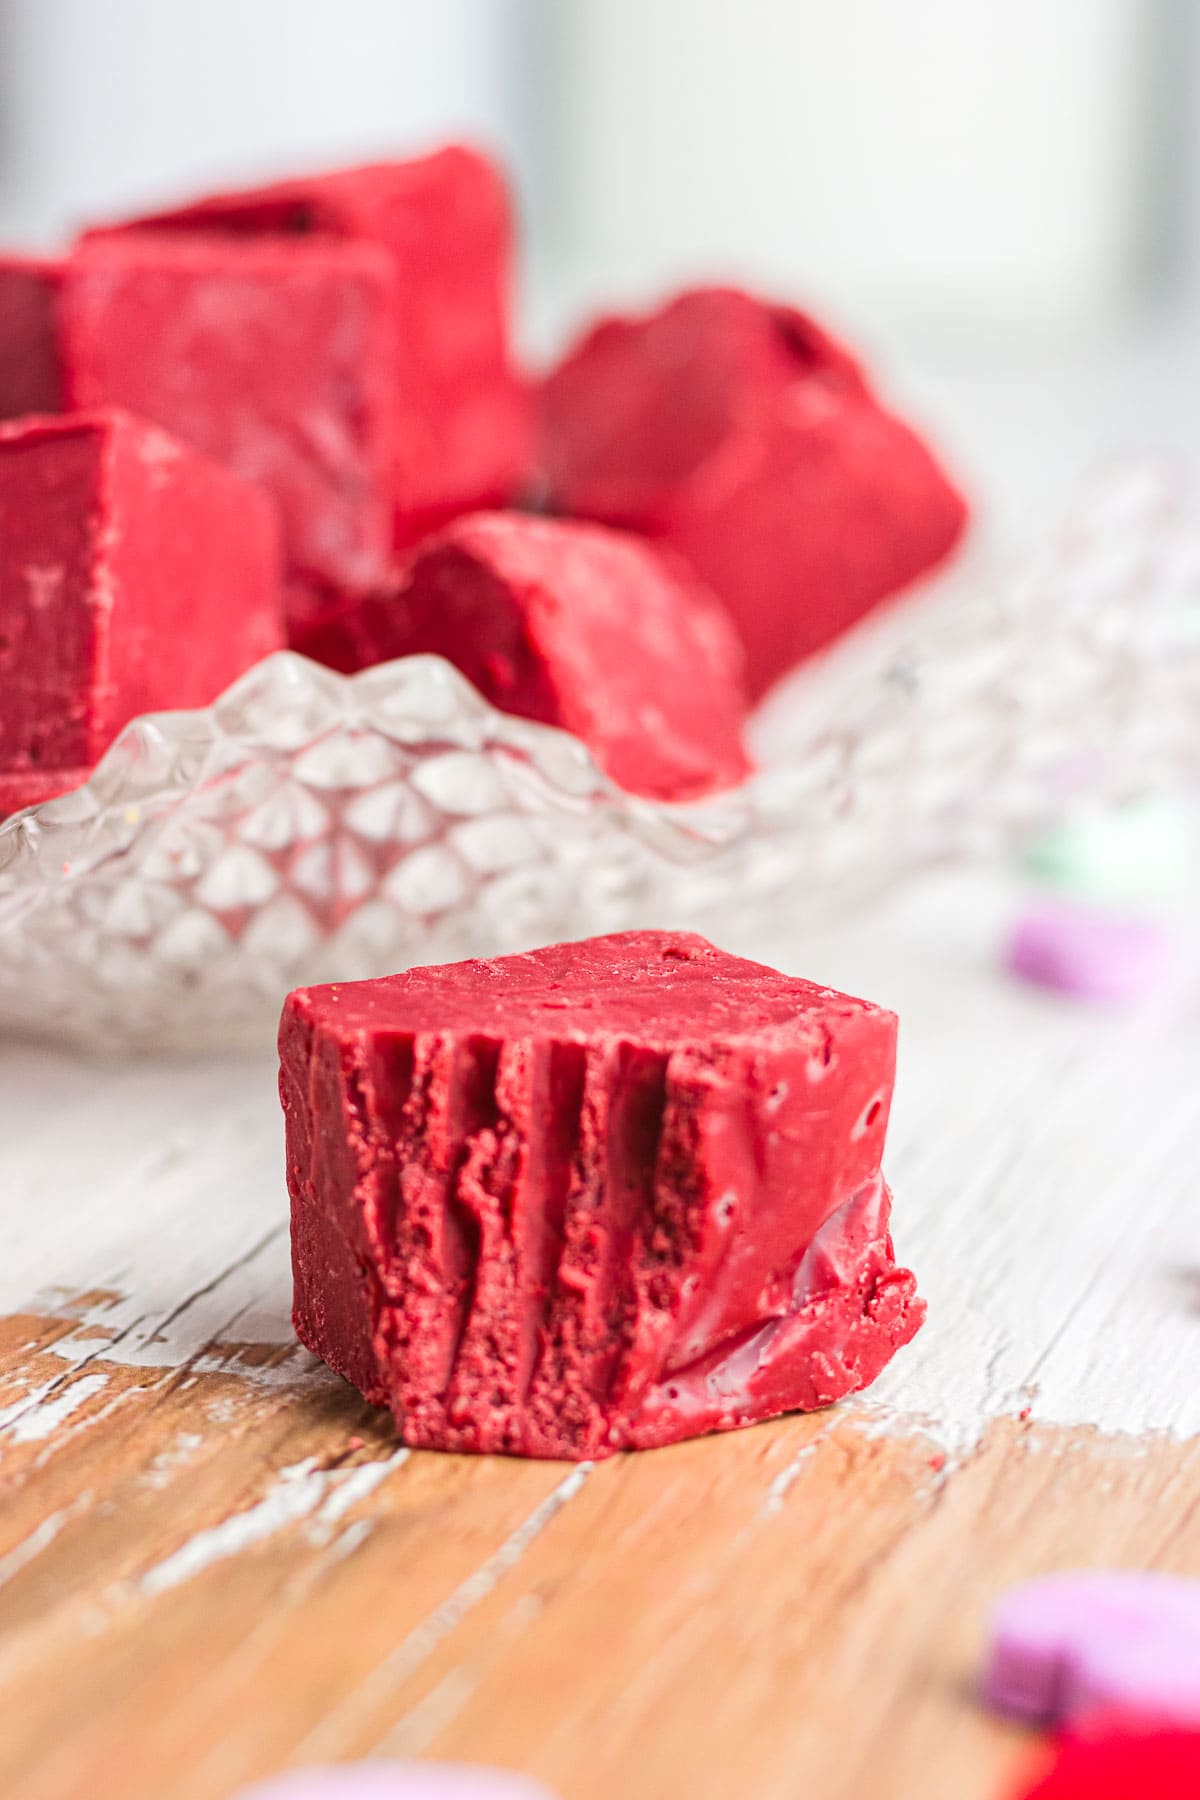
(30, 377)
(599, 1197)
(1122, 1761)
(135, 576)
(743, 436)
(275, 356)
(576, 626)
(462, 413)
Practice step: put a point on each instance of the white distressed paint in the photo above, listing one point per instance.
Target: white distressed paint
(350, 1487)
(783, 1483)
(178, 1453)
(331, 1734)
(1045, 1162)
(39, 1415)
(40, 1538)
(31, 1394)
(296, 1492)
(292, 1495)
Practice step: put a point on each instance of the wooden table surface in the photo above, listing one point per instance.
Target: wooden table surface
(215, 1562)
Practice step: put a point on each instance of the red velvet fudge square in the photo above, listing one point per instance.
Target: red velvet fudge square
(594, 1198)
(275, 356)
(30, 375)
(743, 436)
(135, 575)
(462, 411)
(592, 630)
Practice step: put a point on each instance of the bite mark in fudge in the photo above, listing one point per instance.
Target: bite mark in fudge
(135, 575)
(742, 435)
(576, 626)
(274, 357)
(598, 1197)
(462, 411)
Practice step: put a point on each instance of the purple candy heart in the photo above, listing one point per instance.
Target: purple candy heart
(1090, 954)
(1067, 1646)
(397, 1781)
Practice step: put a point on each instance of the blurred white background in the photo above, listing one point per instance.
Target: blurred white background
(1002, 203)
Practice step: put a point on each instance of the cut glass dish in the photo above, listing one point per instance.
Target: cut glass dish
(313, 827)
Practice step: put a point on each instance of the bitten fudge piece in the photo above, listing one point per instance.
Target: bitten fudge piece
(273, 356)
(30, 376)
(742, 435)
(462, 411)
(594, 1198)
(135, 575)
(577, 626)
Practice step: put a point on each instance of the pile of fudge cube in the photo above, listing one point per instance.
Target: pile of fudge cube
(293, 417)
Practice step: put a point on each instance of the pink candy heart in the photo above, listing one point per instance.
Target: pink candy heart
(1067, 1646)
(397, 1781)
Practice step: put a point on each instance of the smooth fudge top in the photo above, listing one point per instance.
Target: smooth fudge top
(659, 988)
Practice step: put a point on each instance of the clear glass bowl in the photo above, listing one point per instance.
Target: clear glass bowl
(312, 827)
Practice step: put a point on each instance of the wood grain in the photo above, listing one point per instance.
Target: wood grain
(214, 1563)
(203, 1579)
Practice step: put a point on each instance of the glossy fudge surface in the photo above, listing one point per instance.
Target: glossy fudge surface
(30, 375)
(601, 1196)
(275, 357)
(463, 412)
(135, 575)
(743, 435)
(576, 626)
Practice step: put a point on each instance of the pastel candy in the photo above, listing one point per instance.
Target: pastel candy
(1065, 1647)
(1111, 958)
(397, 1781)
(1139, 854)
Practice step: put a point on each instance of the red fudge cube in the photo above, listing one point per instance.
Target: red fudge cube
(743, 436)
(462, 411)
(30, 376)
(135, 575)
(577, 626)
(594, 1198)
(274, 356)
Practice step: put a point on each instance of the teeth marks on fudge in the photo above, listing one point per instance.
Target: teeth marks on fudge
(561, 1232)
(543, 1199)
(596, 1303)
(441, 1193)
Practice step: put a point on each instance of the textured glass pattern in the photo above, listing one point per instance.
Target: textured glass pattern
(311, 827)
